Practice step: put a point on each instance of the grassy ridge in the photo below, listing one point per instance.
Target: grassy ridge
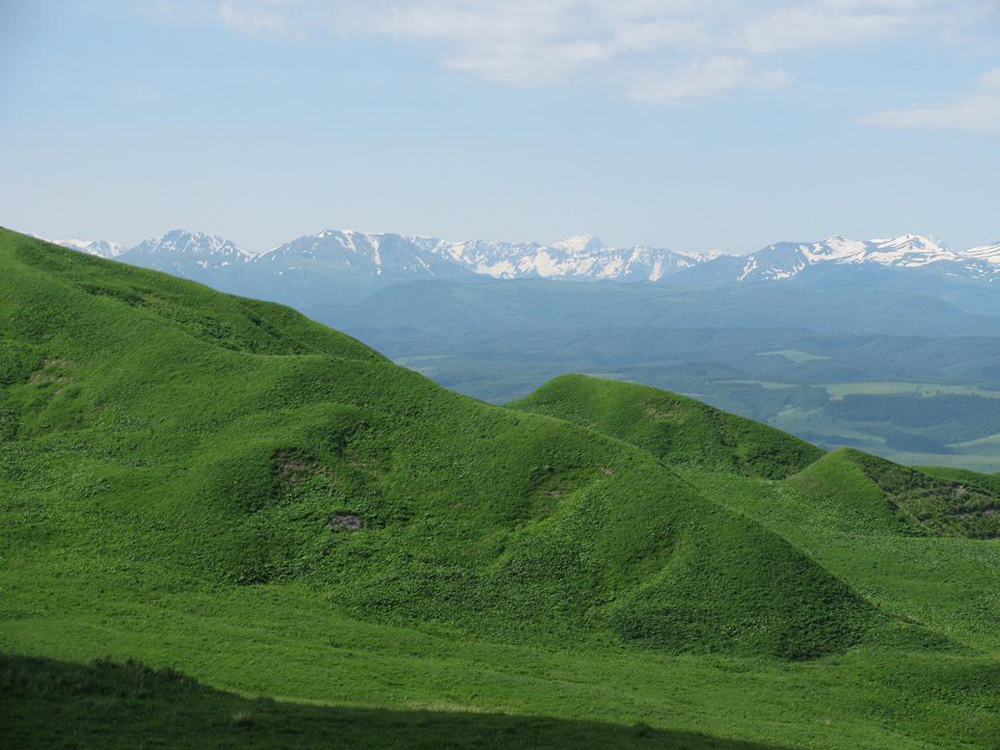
(674, 428)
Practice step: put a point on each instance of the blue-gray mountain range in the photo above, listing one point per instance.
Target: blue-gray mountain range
(322, 266)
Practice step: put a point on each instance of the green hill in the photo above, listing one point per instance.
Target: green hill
(917, 543)
(674, 428)
(199, 480)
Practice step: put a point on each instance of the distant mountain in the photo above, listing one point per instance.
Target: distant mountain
(381, 255)
(583, 257)
(337, 266)
(350, 254)
(341, 255)
(188, 254)
(786, 260)
(100, 248)
(989, 254)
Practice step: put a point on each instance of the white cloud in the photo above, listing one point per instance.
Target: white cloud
(804, 28)
(661, 32)
(663, 51)
(979, 112)
(263, 18)
(991, 80)
(697, 82)
(516, 42)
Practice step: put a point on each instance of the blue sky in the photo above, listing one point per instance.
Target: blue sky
(693, 124)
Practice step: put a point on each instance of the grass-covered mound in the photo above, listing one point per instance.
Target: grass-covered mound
(839, 487)
(898, 549)
(674, 428)
(156, 425)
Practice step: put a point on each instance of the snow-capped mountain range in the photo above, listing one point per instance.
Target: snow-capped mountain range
(350, 257)
(581, 257)
(786, 259)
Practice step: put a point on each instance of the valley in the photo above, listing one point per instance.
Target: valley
(846, 380)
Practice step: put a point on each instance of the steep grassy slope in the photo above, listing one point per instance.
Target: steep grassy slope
(201, 480)
(675, 429)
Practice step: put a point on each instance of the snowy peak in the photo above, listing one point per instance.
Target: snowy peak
(188, 254)
(581, 243)
(328, 242)
(787, 259)
(100, 248)
(361, 254)
(499, 260)
(179, 242)
(837, 247)
(701, 256)
(910, 250)
(583, 257)
(909, 242)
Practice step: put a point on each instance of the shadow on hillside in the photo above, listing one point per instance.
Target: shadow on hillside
(46, 703)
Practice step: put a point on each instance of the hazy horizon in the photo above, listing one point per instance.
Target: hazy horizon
(457, 240)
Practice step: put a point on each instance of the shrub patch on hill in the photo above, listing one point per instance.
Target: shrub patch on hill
(938, 505)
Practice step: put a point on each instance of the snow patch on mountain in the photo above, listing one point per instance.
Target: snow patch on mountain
(990, 253)
(910, 250)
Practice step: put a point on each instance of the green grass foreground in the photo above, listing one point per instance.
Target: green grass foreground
(222, 487)
(129, 705)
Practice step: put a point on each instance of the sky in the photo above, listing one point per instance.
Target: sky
(690, 124)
